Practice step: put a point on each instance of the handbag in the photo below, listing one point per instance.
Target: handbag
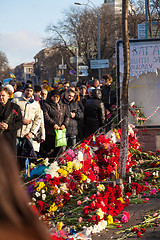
(60, 138)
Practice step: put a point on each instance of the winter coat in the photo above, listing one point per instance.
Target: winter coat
(40, 135)
(54, 114)
(108, 97)
(72, 106)
(48, 88)
(94, 113)
(14, 121)
(30, 110)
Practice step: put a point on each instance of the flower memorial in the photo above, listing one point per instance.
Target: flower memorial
(77, 193)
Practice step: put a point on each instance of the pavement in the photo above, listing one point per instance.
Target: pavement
(137, 214)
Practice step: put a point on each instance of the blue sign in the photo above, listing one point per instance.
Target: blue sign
(6, 81)
(72, 72)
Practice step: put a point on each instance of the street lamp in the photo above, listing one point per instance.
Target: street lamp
(99, 35)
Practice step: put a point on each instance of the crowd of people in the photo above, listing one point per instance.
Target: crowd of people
(30, 114)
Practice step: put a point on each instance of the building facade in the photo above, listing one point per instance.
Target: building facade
(24, 72)
(116, 4)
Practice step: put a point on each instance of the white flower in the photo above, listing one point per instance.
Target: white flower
(95, 229)
(89, 230)
(53, 169)
(34, 199)
(37, 194)
(77, 165)
(102, 225)
(43, 191)
(59, 191)
(88, 180)
(43, 197)
(63, 187)
(80, 156)
(132, 104)
(45, 162)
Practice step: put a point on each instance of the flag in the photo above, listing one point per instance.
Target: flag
(12, 75)
(27, 167)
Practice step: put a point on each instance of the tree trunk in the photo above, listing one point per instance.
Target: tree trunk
(124, 98)
(150, 20)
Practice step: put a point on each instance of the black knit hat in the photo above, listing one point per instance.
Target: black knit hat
(54, 92)
(28, 85)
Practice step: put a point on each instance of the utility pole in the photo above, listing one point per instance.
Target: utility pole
(77, 67)
(124, 95)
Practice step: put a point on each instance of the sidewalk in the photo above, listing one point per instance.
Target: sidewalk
(137, 214)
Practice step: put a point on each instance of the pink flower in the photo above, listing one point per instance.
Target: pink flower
(153, 191)
(80, 219)
(14, 111)
(98, 193)
(155, 214)
(62, 234)
(147, 199)
(125, 217)
(79, 202)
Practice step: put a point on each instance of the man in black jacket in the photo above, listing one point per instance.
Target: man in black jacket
(10, 118)
(75, 114)
(94, 113)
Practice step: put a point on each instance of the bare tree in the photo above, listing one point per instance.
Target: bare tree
(4, 68)
(136, 15)
(80, 28)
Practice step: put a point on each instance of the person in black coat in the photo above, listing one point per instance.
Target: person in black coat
(109, 99)
(94, 113)
(75, 115)
(55, 117)
(108, 94)
(10, 118)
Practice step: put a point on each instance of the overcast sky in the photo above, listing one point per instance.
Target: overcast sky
(23, 24)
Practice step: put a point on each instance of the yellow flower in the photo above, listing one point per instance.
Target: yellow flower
(83, 178)
(59, 225)
(62, 172)
(53, 208)
(100, 213)
(109, 219)
(101, 187)
(70, 166)
(41, 185)
(32, 165)
(121, 199)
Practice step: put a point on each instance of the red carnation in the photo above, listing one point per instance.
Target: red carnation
(143, 230)
(139, 234)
